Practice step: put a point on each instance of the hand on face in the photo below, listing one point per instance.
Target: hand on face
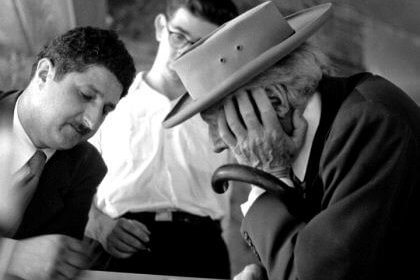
(257, 138)
(49, 257)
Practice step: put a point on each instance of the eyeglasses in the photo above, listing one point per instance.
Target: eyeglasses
(177, 39)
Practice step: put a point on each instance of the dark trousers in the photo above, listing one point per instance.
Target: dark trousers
(189, 246)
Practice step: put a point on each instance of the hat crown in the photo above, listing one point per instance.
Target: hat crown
(238, 51)
(231, 47)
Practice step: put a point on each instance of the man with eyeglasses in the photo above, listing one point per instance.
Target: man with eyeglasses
(155, 212)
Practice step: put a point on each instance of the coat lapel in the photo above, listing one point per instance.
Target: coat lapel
(48, 199)
(333, 93)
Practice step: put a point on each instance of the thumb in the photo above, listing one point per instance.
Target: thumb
(300, 127)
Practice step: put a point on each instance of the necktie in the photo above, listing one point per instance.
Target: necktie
(36, 163)
(20, 192)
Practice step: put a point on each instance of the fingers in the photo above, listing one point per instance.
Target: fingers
(137, 229)
(269, 117)
(224, 131)
(127, 238)
(73, 257)
(233, 120)
(249, 115)
(120, 249)
(65, 270)
(78, 255)
(259, 134)
(247, 112)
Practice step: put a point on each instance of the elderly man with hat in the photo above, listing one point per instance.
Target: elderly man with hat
(342, 153)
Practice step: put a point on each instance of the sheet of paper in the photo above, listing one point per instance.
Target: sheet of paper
(103, 275)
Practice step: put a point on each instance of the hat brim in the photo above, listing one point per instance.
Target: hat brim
(304, 23)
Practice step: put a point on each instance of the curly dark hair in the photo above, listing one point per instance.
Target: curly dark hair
(215, 11)
(81, 47)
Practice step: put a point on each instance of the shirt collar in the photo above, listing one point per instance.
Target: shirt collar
(23, 148)
(312, 114)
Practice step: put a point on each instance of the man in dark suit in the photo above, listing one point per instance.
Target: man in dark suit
(344, 151)
(50, 173)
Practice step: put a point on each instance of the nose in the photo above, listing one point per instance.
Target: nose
(218, 144)
(92, 117)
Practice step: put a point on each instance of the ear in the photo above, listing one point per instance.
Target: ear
(45, 71)
(160, 23)
(283, 107)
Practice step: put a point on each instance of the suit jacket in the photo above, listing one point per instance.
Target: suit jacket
(67, 184)
(361, 202)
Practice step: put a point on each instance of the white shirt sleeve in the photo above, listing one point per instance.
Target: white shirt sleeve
(255, 193)
(7, 246)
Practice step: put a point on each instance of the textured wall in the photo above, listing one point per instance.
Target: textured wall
(25, 26)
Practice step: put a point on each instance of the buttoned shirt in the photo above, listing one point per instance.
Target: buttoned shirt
(151, 168)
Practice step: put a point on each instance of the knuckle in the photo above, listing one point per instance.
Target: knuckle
(259, 142)
(121, 222)
(275, 135)
(233, 125)
(249, 118)
(243, 145)
(224, 134)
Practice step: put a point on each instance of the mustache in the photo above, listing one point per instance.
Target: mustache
(82, 129)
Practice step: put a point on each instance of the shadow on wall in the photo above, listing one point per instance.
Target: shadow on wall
(25, 26)
(15, 69)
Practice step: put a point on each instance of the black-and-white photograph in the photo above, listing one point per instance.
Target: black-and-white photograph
(209, 139)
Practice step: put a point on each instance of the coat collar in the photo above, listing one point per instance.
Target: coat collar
(48, 198)
(333, 92)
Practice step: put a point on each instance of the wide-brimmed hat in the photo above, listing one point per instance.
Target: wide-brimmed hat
(238, 51)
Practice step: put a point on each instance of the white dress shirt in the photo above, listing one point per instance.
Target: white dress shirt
(312, 115)
(151, 168)
(21, 150)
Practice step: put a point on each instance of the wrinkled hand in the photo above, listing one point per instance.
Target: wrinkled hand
(48, 257)
(252, 272)
(263, 145)
(125, 237)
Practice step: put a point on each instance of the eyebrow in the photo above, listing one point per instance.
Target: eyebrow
(182, 30)
(111, 106)
(94, 89)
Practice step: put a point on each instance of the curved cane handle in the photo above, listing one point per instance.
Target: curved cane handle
(237, 172)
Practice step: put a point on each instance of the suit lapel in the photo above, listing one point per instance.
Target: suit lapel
(333, 93)
(48, 199)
